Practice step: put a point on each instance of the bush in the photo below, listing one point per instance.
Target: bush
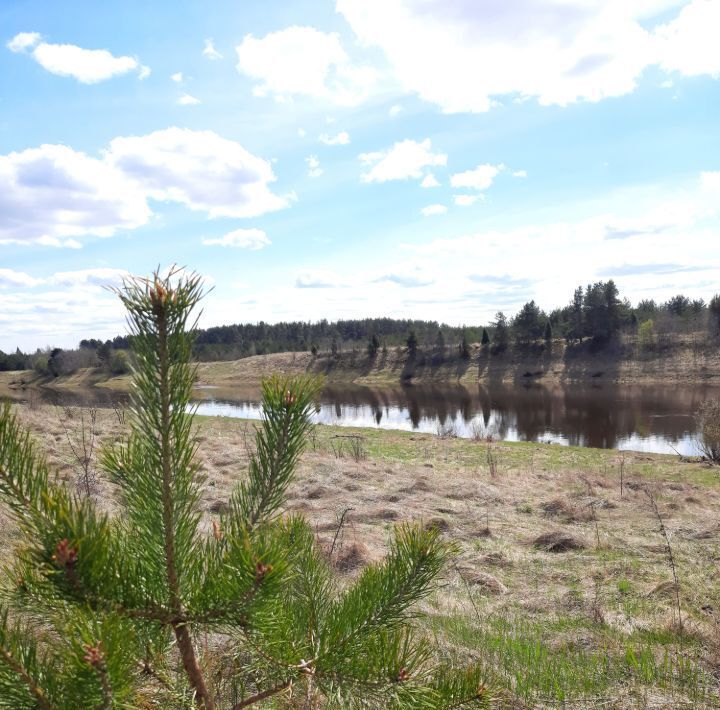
(646, 335)
(102, 611)
(118, 363)
(708, 421)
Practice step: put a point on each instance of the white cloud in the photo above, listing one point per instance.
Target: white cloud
(520, 173)
(406, 159)
(14, 279)
(88, 66)
(177, 77)
(710, 182)
(209, 50)
(466, 200)
(342, 138)
(144, 72)
(253, 239)
(51, 193)
(23, 40)
(408, 277)
(100, 277)
(465, 55)
(689, 43)
(429, 181)
(317, 279)
(303, 61)
(395, 110)
(301, 132)
(432, 210)
(314, 169)
(199, 169)
(478, 179)
(187, 100)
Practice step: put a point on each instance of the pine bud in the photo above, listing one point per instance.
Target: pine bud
(402, 675)
(289, 399)
(65, 556)
(261, 571)
(160, 297)
(94, 656)
(217, 530)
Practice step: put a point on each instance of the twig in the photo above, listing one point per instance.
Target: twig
(671, 557)
(341, 522)
(261, 696)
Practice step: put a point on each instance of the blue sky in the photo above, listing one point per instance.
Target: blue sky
(414, 158)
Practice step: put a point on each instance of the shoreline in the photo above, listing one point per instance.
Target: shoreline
(558, 364)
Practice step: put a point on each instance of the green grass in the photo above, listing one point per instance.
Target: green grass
(528, 660)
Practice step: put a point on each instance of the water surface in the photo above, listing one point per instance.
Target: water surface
(635, 417)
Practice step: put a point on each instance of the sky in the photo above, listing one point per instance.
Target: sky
(434, 159)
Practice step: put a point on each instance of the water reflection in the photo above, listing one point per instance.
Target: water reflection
(637, 417)
(648, 418)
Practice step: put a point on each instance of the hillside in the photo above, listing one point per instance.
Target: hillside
(683, 361)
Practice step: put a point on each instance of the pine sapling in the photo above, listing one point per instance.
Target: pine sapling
(107, 611)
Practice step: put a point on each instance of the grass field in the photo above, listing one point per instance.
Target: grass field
(562, 588)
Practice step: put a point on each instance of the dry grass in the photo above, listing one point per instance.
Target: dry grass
(540, 586)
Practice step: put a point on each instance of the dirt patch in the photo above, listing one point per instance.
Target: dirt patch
(485, 582)
(558, 542)
(352, 557)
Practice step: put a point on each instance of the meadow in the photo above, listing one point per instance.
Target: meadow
(583, 577)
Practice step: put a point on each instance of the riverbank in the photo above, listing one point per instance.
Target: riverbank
(682, 360)
(562, 587)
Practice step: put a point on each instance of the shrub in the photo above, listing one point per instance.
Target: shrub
(119, 363)
(102, 611)
(646, 335)
(708, 421)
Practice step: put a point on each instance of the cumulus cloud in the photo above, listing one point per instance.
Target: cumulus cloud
(466, 200)
(689, 43)
(655, 220)
(394, 110)
(314, 169)
(465, 55)
(101, 277)
(409, 278)
(481, 178)
(303, 61)
(209, 50)
(14, 279)
(88, 66)
(342, 138)
(429, 181)
(405, 159)
(432, 210)
(177, 77)
(188, 100)
(53, 194)
(520, 173)
(199, 169)
(253, 239)
(317, 279)
(23, 40)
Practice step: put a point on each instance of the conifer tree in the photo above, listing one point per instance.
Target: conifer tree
(373, 346)
(485, 340)
(464, 347)
(548, 336)
(106, 611)
(412, 343)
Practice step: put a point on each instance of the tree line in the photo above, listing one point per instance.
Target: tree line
(596, 312)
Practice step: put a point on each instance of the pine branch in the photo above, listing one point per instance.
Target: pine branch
(287, 405)
(19, 657)
(262, 696)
